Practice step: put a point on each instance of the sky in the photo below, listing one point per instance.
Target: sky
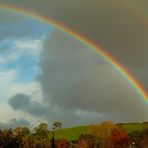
(47, 75)
(119, 27)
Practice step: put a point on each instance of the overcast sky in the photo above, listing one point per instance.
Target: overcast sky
(47, 75)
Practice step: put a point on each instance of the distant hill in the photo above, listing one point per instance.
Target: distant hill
(72, 134)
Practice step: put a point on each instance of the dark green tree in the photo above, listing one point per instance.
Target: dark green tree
(42, 132)
(57, 125)
(134, 138)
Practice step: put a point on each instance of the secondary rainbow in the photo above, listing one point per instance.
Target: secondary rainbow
(135, 8)
(137, 87)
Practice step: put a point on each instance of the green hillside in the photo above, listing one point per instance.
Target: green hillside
(134, 127)
(73, 133)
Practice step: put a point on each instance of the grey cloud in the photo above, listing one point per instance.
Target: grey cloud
(13, 123)
(49, 113)
(24, 103)
(74, 77)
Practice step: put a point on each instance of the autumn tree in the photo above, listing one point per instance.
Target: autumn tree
(102, 132)
(61, 143)
(144, 139)
(118, 138)
(23, 131)
(86, 141)
(8, 140)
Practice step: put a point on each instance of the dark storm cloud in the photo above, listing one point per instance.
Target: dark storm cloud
(24, 103)
(115, 25)
(75, 78)
(13, 123)
(50, 113)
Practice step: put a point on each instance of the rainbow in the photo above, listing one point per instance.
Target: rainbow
(119, 68)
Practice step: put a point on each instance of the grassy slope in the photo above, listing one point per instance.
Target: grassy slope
(73, 133)
(132, 127)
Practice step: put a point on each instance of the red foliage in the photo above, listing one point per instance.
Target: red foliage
(118, 138)
(144, 138)
(86, 141)
(61, 143)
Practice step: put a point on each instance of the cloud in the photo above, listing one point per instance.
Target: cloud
(15, 49)
(7, 76)
(19, 61)
(73, 77)
(13, 123)
(31, 46)
(16, 61)
(26, 104)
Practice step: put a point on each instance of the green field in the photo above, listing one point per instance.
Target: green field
(135, 127)
(72, 134)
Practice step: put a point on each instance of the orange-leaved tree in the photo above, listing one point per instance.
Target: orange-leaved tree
(102, 132)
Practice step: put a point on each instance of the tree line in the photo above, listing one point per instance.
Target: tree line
(105, 135)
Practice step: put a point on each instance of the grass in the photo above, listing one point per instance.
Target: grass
(72, 134)
(135, 127)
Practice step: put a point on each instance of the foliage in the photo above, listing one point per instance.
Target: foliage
(134, 138)
(102, 132)
(62, 143)
(103, 135)
(57, 125)
(42, 132)
(144, 139)
(87, 141)
(118, 138)
(8, 140)
(21, 131)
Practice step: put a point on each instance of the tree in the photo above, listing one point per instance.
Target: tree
(23, 131)
(144, 139)
(42, 131)
(57, 125)
(86, 141)
(102, 132)
(8, 140)
(134, 138)
(118, 138)
(62, 143)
